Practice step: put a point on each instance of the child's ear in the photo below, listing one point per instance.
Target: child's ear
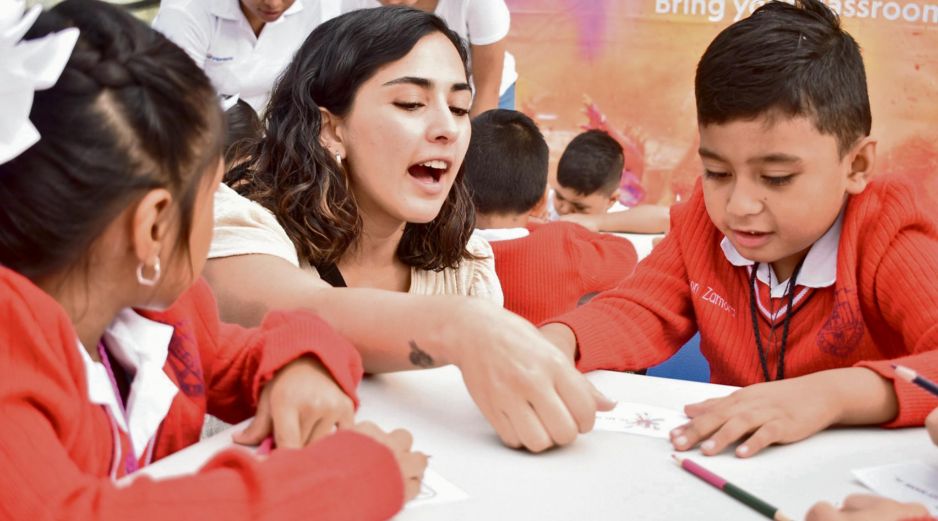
(331, 133)
(862, 159)
(151, 225)
(613, 197)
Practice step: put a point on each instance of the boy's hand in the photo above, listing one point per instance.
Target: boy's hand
(592, 223)
(860, 507)
(787, 411)
(302, 403)
(782, 411)
(412, 464)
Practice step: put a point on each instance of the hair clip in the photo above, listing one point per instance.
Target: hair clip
(27, 66)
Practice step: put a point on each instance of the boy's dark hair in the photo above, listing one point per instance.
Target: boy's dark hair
(788, 60)
(243, 127)
(592, 162)
(506, 164)
(294, 176)
(131, 112)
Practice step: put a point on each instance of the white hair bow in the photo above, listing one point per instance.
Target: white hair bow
(25, 67)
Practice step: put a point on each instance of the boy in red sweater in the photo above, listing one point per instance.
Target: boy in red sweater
(803, 276)
(544, 270)
(587, 192)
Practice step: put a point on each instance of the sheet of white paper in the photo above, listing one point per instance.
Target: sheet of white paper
(911, 481)
(436, 489)
(640, 418)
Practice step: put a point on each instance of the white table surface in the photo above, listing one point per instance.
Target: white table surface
(615, 476)
(603, 475)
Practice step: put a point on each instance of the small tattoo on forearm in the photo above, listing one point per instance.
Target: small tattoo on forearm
(419, 357)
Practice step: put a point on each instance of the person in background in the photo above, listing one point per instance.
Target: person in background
(544, 269)
(587, 192)
(242, 128)
(242, 45)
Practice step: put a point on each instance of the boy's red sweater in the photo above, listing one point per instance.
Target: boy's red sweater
(558, 264)
(882, 309)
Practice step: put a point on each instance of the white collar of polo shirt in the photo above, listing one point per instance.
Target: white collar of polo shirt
(231, 10)
(501, 234)
(141, 346)
(818, 271)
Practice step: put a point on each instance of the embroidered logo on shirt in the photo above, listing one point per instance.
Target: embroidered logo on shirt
(184, 364)
(844, 329)
(218, 59)
(711, 296)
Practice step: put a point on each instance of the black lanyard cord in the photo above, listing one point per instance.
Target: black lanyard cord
(790, 293)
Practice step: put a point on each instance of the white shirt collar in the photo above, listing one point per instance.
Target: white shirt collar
(818, 271)
(501, 234)
(141, 346)
(231, 10)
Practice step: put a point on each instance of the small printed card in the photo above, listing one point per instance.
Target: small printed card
(912, 481)
(639, 418)
(436, 489)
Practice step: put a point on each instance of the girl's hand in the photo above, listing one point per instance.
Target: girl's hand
(859, 507)
(412, 464)
(301, 404)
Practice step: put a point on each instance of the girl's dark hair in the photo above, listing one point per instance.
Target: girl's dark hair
(131, 112)
(243, 127)
(792, 59)
(296, 178)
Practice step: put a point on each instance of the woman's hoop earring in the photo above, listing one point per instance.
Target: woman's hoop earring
(151, 281)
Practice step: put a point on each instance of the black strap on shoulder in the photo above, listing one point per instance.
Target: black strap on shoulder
(331, 274)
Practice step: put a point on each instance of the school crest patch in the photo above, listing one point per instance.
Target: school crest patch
(841, 333)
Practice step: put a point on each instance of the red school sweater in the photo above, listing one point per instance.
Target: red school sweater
(549, 271)
(882, 309)
(56, 447)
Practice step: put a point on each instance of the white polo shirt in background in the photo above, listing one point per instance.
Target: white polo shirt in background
(219, 38)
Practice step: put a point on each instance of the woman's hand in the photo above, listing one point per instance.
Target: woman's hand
(528, 390)
(301, 404)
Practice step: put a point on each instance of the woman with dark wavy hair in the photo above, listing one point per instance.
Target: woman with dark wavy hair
(358, 182)
(378, 200)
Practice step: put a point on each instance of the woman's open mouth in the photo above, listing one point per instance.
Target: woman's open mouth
(429, 171)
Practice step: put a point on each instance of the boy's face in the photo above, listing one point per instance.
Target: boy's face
(568, 201)
(775, 187)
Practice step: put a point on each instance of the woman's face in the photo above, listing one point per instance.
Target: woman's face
(406, 133)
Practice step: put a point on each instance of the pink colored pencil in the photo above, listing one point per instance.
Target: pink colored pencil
(732, 490)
